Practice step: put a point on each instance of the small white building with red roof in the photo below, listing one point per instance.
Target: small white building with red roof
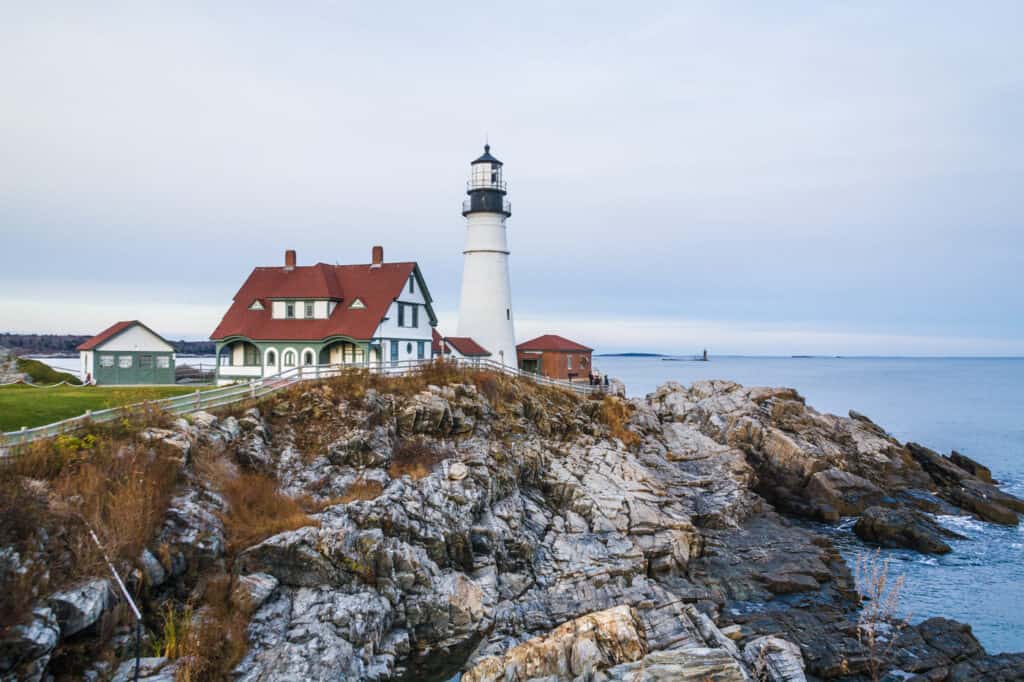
(127, 352)
(458, 348)
(306, 315)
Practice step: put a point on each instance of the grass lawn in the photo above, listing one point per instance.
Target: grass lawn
(28, 406)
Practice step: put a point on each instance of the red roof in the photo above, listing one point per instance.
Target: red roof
(112, 331)
(466, 346)
(463, 344)
(377, 287)
(553, 342)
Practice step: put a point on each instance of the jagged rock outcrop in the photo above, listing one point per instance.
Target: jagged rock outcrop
(531, 542)
(903, 527)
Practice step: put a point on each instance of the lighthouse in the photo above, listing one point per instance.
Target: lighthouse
(485, 309)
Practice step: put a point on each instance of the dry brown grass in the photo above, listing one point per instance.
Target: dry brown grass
(615, 413)
(415, 458)
(257, 509)
(360, 489)
(209, 640)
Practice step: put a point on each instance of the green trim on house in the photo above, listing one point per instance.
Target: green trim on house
(140, 371)
(279, 348)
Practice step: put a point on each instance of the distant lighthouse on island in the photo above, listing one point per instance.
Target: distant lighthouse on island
(485, 308)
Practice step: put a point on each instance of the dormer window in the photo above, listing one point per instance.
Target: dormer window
(256, 305)
(357, 304)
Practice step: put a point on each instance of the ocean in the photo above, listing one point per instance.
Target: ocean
(974, 405)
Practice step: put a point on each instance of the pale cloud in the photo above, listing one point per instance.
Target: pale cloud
(837, 177)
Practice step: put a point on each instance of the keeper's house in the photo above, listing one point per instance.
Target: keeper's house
(290, 316)
(128, 352)
(556, 357)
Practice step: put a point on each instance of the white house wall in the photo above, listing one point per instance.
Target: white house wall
(391, 333)
(136, 338)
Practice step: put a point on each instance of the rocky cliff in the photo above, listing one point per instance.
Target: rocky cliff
(506, 532)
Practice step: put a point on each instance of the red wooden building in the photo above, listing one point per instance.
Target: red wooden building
(556, 357)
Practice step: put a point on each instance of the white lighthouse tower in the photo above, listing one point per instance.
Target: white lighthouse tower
(485, 310)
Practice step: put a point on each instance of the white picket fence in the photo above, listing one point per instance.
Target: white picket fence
(235, 393)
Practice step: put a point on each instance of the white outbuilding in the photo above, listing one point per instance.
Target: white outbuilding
(127, 352)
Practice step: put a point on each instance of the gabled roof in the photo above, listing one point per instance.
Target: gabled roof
(466, 346)
(376, 286)
(112, 331)
(553, 342)
(462, 344)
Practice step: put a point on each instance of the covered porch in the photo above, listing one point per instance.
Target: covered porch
(242, 359)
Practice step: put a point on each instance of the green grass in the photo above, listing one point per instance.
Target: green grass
(28, 406)
(41, 373)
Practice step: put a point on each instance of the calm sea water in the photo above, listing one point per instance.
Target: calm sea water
(972, 405)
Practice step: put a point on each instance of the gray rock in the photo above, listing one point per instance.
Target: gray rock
(903, 527)
(774, 659)
(152, 570)
(80, 607)
(25, 649)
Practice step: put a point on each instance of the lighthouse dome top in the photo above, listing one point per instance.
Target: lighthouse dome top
(487, 157)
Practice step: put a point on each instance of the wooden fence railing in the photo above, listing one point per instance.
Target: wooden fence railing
(257, 388)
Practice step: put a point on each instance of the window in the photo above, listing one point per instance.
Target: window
(271, 358)
(401, 314)
(289, 309)
(289, 358)
(145, 362)
(394, 352)
(163, 362)
(309, 309)
(124, 361)
(421, 347)
(106, 361)
(415, 316)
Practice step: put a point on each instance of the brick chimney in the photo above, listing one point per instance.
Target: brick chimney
(377, 257)
(289, 259)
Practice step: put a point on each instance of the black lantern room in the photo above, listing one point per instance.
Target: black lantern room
(485, 188)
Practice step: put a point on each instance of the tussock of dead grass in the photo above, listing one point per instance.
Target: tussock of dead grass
(210, 640)
(257, 509)
(615, 413)
(361, 489)
(56, 490)
(415, 458)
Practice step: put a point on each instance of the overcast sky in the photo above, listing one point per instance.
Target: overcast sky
(816, 177)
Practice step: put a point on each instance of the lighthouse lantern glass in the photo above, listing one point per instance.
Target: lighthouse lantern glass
(486, 175)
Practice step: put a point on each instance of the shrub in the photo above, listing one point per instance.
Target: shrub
(614, 413)
(211, 640)
(415, 458)
(878, 626)
(257, 509)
